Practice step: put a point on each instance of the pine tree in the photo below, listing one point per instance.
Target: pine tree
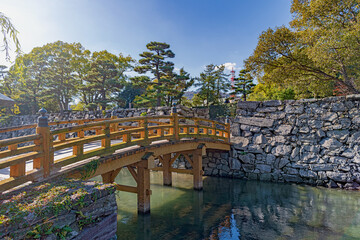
(154, 62)
(243, 85)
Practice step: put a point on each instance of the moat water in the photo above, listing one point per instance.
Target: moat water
(237, 209)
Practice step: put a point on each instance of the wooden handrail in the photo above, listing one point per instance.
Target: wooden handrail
(17, 140)
(42, 151)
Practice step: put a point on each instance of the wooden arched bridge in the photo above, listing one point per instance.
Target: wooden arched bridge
(105, 146)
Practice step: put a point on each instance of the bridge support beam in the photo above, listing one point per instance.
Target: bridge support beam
(197, 170)
(166, 162)
(143, 187)
(109, 177)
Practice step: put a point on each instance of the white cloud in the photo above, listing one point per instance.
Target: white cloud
(229, 66)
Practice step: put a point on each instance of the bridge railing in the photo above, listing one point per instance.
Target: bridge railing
(53, 149)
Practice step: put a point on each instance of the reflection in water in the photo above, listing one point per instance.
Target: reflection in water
(236, 209)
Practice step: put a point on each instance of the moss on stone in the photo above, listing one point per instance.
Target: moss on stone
(42, 203)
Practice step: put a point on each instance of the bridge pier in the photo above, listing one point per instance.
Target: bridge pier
(143, 188)
(197, 170)
(166, 163)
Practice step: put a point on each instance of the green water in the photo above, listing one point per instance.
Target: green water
(236, 209)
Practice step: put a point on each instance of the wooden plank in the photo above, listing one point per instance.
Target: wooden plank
(133, 173)
(18, 169)
(11, 129)
(12, 182)
(124, 188)
(110, 176)
(157, 169)
(177, 170)
(17, 140)
(79, 127)
(174, 158)
(84, 140)
(72, 159)
(188, 159)
(19, 159)
(21, 150)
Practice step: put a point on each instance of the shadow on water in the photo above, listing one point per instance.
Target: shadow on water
(236, 209)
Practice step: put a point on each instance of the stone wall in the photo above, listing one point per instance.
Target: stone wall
(60, 210)
(313, 141)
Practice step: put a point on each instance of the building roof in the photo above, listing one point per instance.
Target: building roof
(5, 101)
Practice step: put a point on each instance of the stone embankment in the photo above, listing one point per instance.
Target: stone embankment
(313, 141)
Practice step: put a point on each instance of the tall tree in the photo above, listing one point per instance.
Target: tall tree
(176, 86)
(243, 85)
(105, 77)
(322, 46)
(61, 81)
(154, 61)
(212, 85)
(47, 76)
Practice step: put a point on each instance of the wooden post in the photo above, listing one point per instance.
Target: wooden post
(146, 130)
(142, 133)
(18, 169)
(197, 169)
(81, 133)
(213, 130)
(44, 130)
(106, 142)
(196, 129)
(115, 126)
(143, 187)
(175, 123)
(167, 178)
(127, 138)
(227, 129)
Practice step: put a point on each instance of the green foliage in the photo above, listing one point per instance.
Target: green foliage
(319, 51)
(105, 77)
(212, 84)
(155, 63)
(243, 85)
(128, 94)
(89, 169)
(262, 92)
(222, 111)
(55, 74)
(45, 77)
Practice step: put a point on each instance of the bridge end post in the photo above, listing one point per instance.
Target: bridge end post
(43, 129)
(227, 129)
(175, 122)
(167, 177)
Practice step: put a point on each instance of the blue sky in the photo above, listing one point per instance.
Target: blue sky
(200, 32)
